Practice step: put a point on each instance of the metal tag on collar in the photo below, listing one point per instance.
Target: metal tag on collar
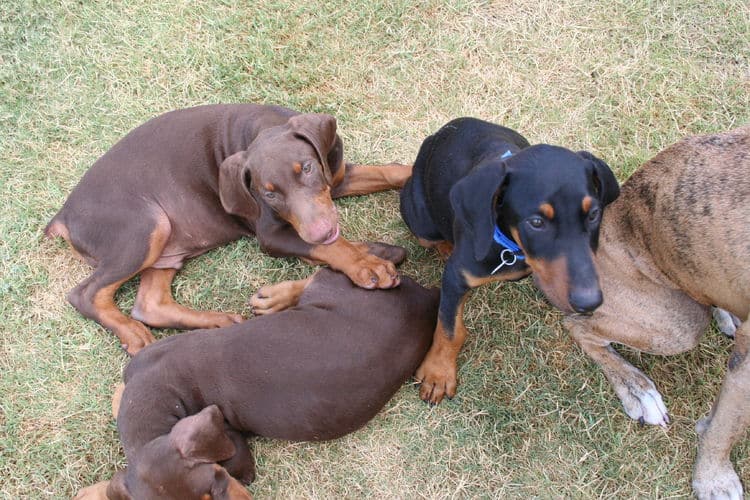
(505, 155)
(510, 254)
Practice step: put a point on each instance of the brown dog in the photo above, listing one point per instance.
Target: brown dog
(314, 372)
(194, 179)
(672, 245)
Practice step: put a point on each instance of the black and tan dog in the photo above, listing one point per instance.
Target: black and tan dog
(194, 179)
(314, 372)
(504, 209)
(675, 243)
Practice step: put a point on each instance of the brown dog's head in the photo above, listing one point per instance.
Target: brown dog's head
(287, 168)
(550, 201)
(182, 464)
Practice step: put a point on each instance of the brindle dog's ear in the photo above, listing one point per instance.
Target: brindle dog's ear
(473, 199)
(201, 437)
(604, 180)
(320, 131)
(234, 187)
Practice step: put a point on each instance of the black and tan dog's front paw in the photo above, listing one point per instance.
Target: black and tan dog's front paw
(437, 379)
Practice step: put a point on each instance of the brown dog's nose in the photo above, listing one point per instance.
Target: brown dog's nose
(585, 300)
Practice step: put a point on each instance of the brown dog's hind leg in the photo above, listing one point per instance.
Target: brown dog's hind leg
(714, 476)
(155, 306)
(366, 179)
(122, 259)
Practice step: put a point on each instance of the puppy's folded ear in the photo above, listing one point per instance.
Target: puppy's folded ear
(225, 487)
(473, 199)
(201, 437)
(234, 187)
(320, 131)
(604, 180)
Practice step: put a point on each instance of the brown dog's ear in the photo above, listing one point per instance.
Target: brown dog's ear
(320, 131)
(473, 199)
(225, 487)
(201, 437)
(605, 181)
(234, 187)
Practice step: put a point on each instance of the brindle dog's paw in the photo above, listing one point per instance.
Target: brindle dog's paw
(642, 402)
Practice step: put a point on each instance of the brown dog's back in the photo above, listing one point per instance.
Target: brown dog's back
(316, 371)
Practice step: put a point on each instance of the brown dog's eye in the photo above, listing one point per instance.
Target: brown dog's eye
(270, 195)
(307, 167)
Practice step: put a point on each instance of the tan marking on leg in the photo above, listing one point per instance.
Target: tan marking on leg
(116, 399)
(366, 179)
(96, 491)
(438, 372)
(155, 306)
(443, 247)
(365, 270)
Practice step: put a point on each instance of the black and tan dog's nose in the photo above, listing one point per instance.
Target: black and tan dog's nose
(585, 300)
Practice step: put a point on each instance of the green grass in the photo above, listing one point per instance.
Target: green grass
(534, 418)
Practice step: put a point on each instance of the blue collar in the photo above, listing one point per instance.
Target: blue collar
(510, 252)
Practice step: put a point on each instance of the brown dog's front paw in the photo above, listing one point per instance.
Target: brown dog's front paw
(393, 253)
(134, 336)
(274, 298)
(437, 379)
(96, 491)
(373, 272)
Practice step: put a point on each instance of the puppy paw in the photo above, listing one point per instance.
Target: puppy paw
(642, 402)
(274, 298)
(393, 253)
(96, 491)
(716, 481)
(369, 271)
(726, 322)
(134, 336)
(437, 379)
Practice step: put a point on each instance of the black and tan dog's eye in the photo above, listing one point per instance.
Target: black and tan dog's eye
(536, 222)
(594, 215)
(307, 167)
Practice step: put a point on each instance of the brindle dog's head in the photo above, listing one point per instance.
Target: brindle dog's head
(287, 168)
(550, 201)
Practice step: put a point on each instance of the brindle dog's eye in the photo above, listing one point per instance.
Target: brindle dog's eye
(594, 214)
(536, 222)
(270, 195)
(307, 167)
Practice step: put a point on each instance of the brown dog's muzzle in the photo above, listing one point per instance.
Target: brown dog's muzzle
(316, 222)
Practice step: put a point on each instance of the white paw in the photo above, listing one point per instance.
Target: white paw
(644, 404)
(717, 483)
(726, 321)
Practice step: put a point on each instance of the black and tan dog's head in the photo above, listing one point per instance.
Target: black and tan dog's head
(182, 464)
(550, 201)
(288, 169)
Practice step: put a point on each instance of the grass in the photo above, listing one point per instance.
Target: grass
(534, 418)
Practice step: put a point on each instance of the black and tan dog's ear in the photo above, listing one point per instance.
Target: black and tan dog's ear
(473, 199)
(604, 179)
(234, 187)
(201, 437)
(320, 131)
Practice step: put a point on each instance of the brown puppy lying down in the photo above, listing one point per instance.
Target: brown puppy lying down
(314, 372)
(194, 179)
(674, 244)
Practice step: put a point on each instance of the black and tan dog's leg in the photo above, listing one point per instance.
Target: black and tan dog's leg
(155, 306)
(355, 180)
(438, 373)
(714, 476)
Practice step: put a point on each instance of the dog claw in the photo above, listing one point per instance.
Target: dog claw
(641, 421)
